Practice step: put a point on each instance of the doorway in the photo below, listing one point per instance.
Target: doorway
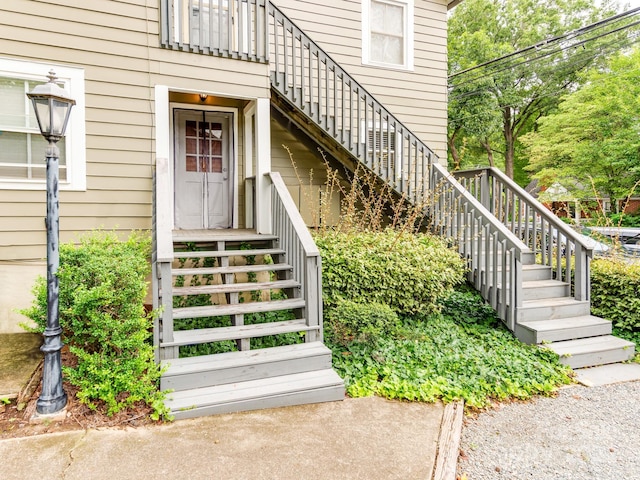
(203, 162)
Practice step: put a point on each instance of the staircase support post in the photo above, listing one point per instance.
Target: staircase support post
(263, 166)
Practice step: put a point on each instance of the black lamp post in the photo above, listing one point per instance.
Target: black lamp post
(52, 106)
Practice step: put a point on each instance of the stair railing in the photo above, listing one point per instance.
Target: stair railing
(301, 251)
(553, 242)
(493, 253)
(162, 257)
(313, 82)
(225, 28)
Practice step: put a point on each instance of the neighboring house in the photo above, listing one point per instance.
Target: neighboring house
(183, 108)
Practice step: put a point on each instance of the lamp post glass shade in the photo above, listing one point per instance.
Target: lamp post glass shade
(52, 106)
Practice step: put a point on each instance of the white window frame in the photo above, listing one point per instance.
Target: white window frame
(75, 153)
(407, 6)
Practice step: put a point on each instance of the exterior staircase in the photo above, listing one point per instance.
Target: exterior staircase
(240, 323)
(529, 265)
(550, 316)
(241, 316)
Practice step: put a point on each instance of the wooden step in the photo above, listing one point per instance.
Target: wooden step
(227, 253)
(241, 366)
(234, 269)
(238, 308)
(528, 258)
(207, 335)
(212, 236)
(589, 352)
(537, 289)
(285, 390)
(234, 287)
(552, 308)
(536, 272)
(562, 329)
(531, 273)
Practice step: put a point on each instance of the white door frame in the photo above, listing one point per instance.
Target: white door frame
(261, 109)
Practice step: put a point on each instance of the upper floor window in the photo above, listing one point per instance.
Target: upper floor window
(22, 147)
(387, 33)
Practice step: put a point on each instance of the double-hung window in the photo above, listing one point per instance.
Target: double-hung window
(387, 33)
(22, 147)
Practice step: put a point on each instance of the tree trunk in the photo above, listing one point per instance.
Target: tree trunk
(509, 141)
(487, 147)
(455, 155)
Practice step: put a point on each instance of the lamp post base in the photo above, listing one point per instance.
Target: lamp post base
(52, 398)
(51, 406)
(46, 418)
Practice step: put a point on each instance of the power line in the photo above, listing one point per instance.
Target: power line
(555, 93)
(618, 43)
(606, 48)
(547, 42)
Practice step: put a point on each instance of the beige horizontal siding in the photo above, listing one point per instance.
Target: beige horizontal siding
(418, 98)
(117, 44)
(305, 174)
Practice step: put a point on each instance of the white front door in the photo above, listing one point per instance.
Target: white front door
(203, 158)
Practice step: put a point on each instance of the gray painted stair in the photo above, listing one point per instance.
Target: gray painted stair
(238, 308)
(562, 329)
(238, 332)
(230, 270)
(284, 390)
(228, 253)
(245, 379)
(538, 289)
(535, 272)
(552, 308)
(209, 370)
(593, 351)
(235, 287)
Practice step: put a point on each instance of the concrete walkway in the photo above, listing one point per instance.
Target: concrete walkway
(368, 438)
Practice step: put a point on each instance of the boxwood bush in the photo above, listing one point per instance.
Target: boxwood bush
(361, 322)
(101, 300)
(408, 272)
(615, 295)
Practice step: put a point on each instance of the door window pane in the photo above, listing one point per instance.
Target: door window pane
(203, 147)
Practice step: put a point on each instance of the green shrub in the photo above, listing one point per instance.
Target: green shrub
(615, 287)
(439, 358)
(408, 272)
(362, 322)
(625, 219)
(101, 301)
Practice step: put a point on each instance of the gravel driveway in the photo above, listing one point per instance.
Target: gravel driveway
(584, 433)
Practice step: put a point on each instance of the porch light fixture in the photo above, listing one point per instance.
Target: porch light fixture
(203, 97)
(52, 106)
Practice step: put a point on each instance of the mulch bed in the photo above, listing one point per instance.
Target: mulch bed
(16, 417)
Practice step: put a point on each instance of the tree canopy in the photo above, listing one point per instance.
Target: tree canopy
(593, 140)
(493, 103)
